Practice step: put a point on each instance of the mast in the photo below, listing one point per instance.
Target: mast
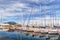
(40, 17)
(28, 20)
(1, 19)
(53, 17)
(24, 20)
(32, 11)
(45, 18)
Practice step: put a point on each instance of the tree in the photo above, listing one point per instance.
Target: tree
(11, 23)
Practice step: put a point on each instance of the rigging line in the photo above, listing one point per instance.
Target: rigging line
(18, 36)
(58, 20)
(54, 20)
(45, 17)
(23, 20)
(1, 19)
(30, 16)
(50, 19)
(53, 16)
(40, 16)
(28, 19)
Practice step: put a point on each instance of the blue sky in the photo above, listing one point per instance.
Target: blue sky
(33, 10)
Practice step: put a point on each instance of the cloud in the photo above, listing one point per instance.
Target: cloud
(48, 21)
(33, 10)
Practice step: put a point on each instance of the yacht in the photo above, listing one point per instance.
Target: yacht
(2, 29)
(53, 32)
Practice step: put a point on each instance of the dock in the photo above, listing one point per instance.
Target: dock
(40, 30)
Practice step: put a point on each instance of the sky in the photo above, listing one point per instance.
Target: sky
(41, 12)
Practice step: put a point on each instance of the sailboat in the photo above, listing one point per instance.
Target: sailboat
(1, 25)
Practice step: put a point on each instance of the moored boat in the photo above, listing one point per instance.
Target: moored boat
(53, 32)
(44, 32)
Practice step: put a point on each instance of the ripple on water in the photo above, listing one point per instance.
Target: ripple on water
(18, 36)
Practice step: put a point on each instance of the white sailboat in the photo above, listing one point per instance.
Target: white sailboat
(53, 32)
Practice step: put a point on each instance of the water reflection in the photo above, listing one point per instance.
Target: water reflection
(26, 36)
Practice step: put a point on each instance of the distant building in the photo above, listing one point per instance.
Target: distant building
(4, 26)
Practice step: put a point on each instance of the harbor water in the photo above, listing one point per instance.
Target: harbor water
(19, 36)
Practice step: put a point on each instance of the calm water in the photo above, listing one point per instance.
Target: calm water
(19, 36)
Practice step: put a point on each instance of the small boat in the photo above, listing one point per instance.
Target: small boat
(37, 31)
(2, 29)
(30, 31)
(44, 32)
(11, 30)
(53, 32)
(5, 29)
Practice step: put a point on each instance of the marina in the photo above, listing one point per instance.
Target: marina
(29, 33)
(9, 28)
(29, 19)
(42, 30)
